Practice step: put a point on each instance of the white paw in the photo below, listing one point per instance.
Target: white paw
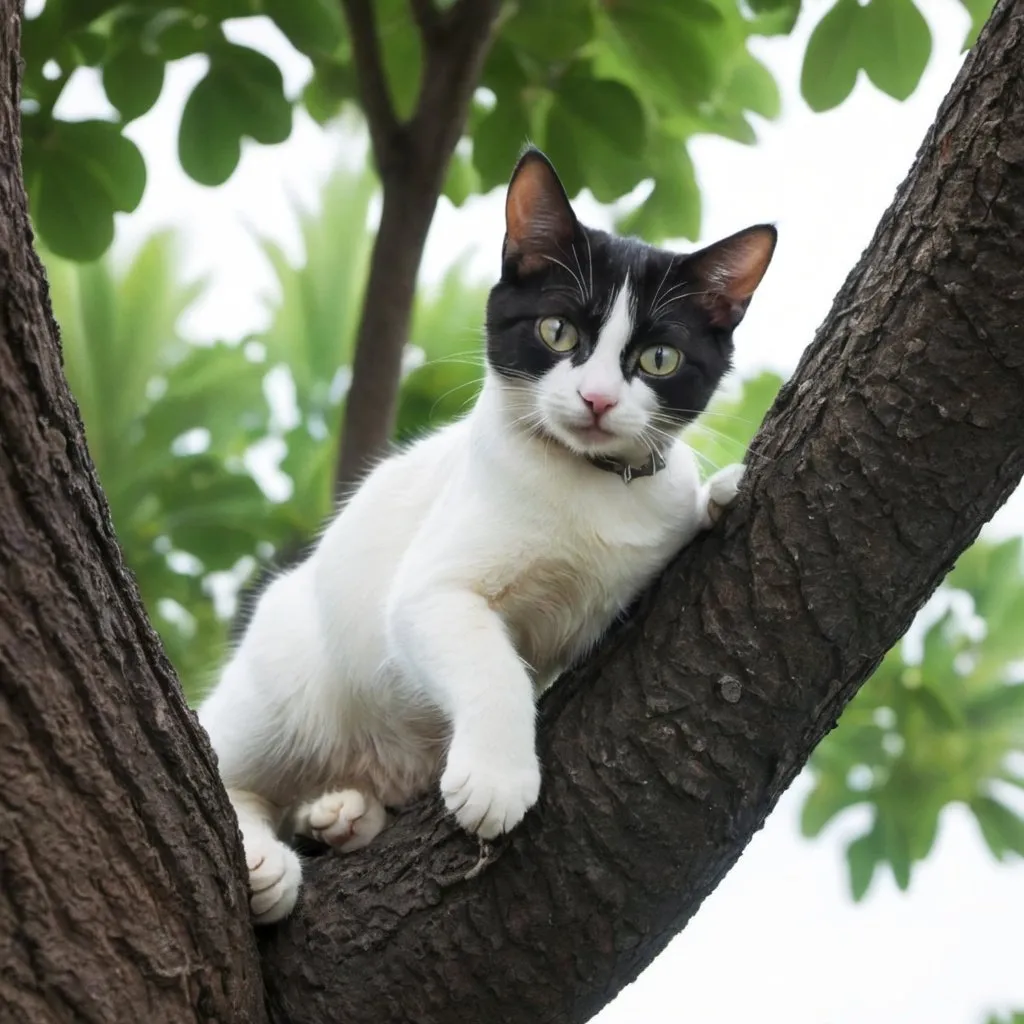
(490, 794)
(723, 488)
(346, 819)
(274, 877)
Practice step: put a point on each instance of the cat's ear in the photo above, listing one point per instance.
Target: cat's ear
(730, 271)
(539, 221)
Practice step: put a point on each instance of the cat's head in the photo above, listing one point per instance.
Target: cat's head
(606, 344)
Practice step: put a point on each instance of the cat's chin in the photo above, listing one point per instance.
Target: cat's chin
(593, 441)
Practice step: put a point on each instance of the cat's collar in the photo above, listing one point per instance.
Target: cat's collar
(623, 469)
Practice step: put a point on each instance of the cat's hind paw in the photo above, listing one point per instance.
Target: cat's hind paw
(722, 489)
(346, 819)
(274, 878)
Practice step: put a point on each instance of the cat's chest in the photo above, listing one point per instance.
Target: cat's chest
(560, 587)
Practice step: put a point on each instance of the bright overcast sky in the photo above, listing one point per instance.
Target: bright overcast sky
(779, 942)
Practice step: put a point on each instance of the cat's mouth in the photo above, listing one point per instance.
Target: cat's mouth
(594, 434)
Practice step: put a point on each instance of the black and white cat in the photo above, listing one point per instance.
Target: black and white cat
(473, 567)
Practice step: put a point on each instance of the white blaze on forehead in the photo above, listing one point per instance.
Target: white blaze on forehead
(602, 372)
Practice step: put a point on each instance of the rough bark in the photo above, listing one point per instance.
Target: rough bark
(412, 159)
(120, 865)
(900, 434)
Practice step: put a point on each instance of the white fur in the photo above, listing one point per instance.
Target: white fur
(464, 575)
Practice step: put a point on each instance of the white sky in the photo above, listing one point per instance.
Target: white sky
(779, 942)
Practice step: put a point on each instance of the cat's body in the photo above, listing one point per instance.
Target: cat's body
(472, 568)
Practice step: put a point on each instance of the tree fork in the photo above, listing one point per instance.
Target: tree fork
(411, 159)
(899, 435)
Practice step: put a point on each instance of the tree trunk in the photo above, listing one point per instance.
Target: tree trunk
(412, 160)
(121, 896)
(900, 434)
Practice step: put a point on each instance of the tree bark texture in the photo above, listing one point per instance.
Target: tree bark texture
(121, 893)
(900, 434)
(121, 897)
(412, 160)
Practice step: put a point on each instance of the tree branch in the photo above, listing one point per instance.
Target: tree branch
(413, 176)
(374, 92)
(900, 434)
(122, 896)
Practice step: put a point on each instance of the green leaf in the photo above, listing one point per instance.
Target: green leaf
(132, 81)
(672, 210)
(863, 856)
(775, 17)
(242, 94)
(81, 174)
(979, 10)
(754, 88)
(895, 43)
(175, 33)
(663, 45)
(326, 92)
(551, 31)
(1002, 829)
(311, 26)
(497, 142)
(831, 60)
(828, 798)
(595, 136)
(461, 180)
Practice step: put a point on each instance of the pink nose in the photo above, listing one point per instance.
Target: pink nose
(599, 404)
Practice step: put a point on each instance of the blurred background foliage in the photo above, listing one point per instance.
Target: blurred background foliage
(214, 457)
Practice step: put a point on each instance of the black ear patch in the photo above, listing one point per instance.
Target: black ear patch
(539, 221)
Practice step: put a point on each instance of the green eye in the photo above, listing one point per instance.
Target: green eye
(660, 360)
(559, 335)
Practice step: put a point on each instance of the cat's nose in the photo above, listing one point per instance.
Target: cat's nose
(597, 402)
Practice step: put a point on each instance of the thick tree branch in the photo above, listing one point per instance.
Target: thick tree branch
(900, 434)
(374, 91)
(121, 894)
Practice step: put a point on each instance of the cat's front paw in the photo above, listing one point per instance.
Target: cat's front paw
(346, 819)
(274, 877)
(489, 794)
(723, 488)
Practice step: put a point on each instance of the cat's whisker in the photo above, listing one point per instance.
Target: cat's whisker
(590, 265)
(569, 271)
(661, 284)
(451, 391)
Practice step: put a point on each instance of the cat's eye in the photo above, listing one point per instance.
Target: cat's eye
(660, 360)
(557, 333)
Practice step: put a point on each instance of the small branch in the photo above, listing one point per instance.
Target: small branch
(373, 84)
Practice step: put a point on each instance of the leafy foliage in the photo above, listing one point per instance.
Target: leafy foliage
(167, 425)
(613, 91)
(888, 39)
(935, 727)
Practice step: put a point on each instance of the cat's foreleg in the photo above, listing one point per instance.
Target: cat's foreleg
(457, 647)
(274, 870)
(719, 492)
